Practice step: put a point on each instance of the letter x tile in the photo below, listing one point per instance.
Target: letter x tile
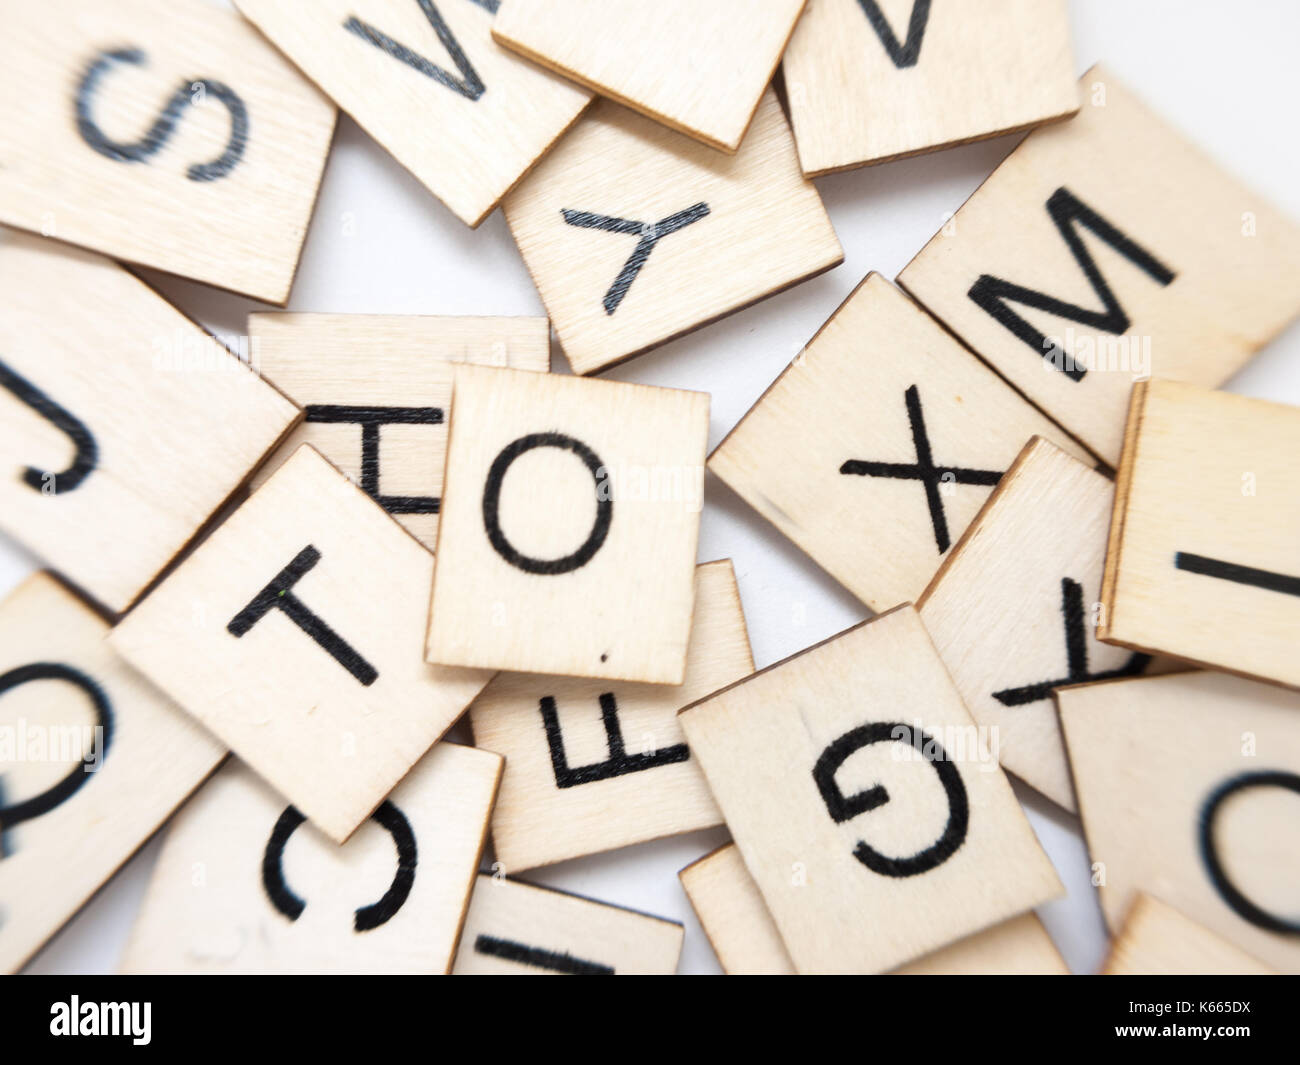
(878, 445)
(295, 633)
(635, 234)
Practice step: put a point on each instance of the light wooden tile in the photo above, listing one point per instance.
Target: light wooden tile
(123, 426)
(243, 886)
(376, 389)
(1189, 787)
(163, 133)
(426, 80)
(698, 68)
(1203, 559)
(733, 915)
(294, 633)
(592, 767)
(93, 759)
(1013, 610)
(872, 80)
(567, 537)
(634, 234)
(1018, 947)
(846, 451)
(1157, 940)
(781, 754)
(746, 941)
(518, 929)
(1078, 267)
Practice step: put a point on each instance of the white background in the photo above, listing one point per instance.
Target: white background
(1225, 74)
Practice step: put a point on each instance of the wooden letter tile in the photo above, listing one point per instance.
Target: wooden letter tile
(634, 234)
(590, 767)
(426, 80)
(747, 942)
(1189, 788)
(871, 80)
(567, 537)
(1014, 607)
(243, 886)
(518, 929)
(294, 633)
(1157, 940)
(376, 389)
(1080, 266)
(162, 132)
(855, 782)
(1204, 557)
(733, 915)
(699, 68)
(93, 759)
(1018, 947)
(123, 426)
(876, 447)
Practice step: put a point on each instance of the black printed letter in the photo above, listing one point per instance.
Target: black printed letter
(619, 761)
(492, 504)
(908, 52)
(87, 451)
(538, 958)
(161, 131)
(993, 294)
(1076, 655)
(845, 808)
(1238, 574)
(68, 786)
(1241, 905)
(650, 234)
(924, 470)
(471, 87)
(278, 595)
(365, 918)
(371, 419)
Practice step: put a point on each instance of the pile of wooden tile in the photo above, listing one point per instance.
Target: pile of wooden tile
(276, 582)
